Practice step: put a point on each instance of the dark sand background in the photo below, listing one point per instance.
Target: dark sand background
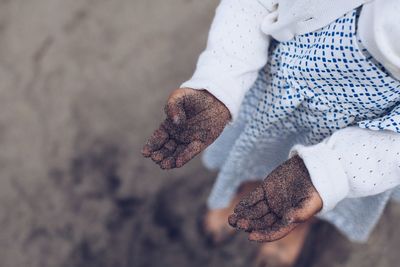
(82, 84)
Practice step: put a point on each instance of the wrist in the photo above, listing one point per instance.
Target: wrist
(223, 107)
(326, 173)
(223, 93)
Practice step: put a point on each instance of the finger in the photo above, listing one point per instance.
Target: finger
(159, 155)
(179, 150)
(257, 195)
(167, 150)
(170, 162)
(255, 212)
(190, 152)
(253, 198)
(274, 233)
(308, 208)
(156, 141)
(171, 146)
(259, 224)
(233, 219)
(175, 108)
(167, 163)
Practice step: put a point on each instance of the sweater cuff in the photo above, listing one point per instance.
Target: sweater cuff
(232, 100)
(327, 174)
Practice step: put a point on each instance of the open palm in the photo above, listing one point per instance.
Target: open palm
(285, 199)
(195, 118)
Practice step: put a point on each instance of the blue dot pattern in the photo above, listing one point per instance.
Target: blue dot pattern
(322, 82)
(311, 87)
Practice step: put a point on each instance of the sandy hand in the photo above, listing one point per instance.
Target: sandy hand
(195, 118)
(286, 198)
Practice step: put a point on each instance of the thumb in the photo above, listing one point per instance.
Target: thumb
(175, 108)
(308, 208)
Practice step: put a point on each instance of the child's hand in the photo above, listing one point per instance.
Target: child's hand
(286, 198)
(195, 118)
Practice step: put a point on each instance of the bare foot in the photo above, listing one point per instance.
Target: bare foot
(215, 224)
(284, 252)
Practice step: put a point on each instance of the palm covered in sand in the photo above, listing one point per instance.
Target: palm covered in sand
(194, 120)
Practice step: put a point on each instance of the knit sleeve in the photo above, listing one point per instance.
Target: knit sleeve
(379, 31)
(236, 51)
(353, 163)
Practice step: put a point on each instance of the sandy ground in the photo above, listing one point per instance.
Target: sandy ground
(82, 83)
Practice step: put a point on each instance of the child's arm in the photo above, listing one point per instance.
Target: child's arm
(353, 162)
(236, 51)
